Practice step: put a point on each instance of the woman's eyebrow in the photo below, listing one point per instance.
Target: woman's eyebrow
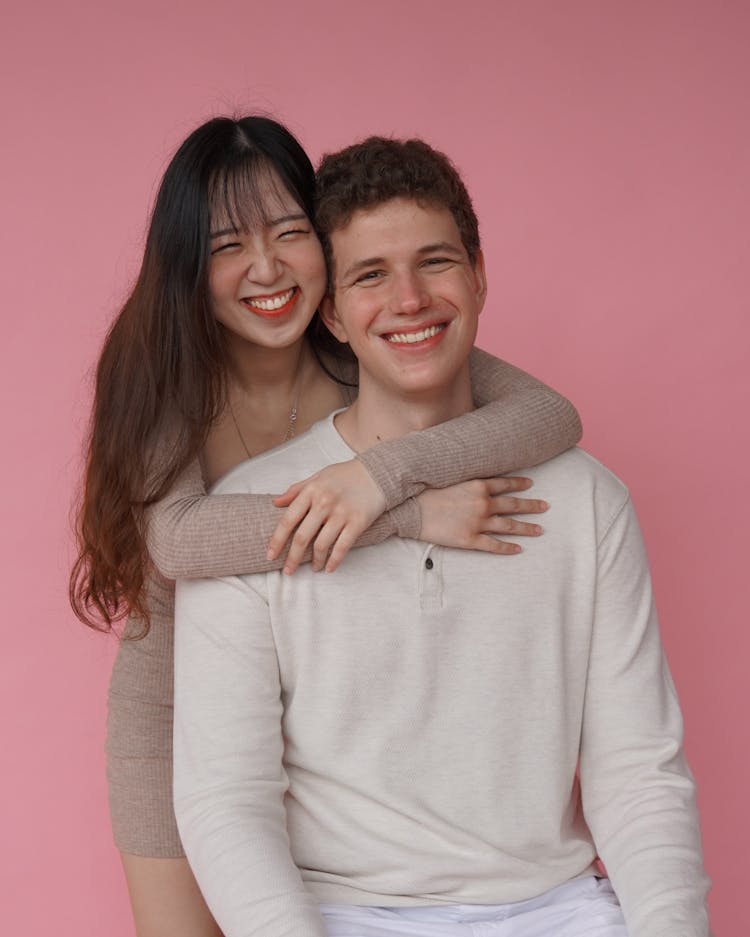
(292, 216)
(272, 223)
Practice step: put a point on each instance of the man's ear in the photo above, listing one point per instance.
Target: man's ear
(328, 314)
(480, 279)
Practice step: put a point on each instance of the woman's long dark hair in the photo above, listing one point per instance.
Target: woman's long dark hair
(161, 378)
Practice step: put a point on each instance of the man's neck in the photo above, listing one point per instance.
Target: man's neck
(377, 414)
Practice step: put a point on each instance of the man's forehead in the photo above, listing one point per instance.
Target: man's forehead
(397, 206)
(403, 224)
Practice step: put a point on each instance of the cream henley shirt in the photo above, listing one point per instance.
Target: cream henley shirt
(411, 729)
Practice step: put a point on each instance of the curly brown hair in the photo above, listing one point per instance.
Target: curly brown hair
(379, 169)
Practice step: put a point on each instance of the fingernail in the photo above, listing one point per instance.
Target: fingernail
(544, 505)
(538, 529)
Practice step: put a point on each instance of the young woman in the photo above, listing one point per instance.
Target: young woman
(218, 355)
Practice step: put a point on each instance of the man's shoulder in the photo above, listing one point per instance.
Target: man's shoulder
(582, 468)
(274, 470)
(580, 483)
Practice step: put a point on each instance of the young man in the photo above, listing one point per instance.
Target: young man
(396, 748)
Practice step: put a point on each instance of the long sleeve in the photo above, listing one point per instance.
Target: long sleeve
(520, 422)
(638, 793)
(192, 535)
(229, 781)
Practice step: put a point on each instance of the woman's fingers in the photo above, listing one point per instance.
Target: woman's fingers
(331, 540)
(340, 497)
(502, 484)
(309, 531)
(344, 542)
(285, 498)
(503, 504)
(475, 514)
(489, 544)
(327, 536)
(290, 519)
(325, 515)
(509, 525)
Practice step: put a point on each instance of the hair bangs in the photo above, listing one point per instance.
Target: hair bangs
(246, 195)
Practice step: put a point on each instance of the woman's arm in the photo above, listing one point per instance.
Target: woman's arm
(191, 535)
(520, 422)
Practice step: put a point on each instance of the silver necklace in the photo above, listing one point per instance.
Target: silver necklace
(291, 428)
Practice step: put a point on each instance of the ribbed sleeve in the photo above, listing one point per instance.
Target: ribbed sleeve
(191, 535)
(525, 423)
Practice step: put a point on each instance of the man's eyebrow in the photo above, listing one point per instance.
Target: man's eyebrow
(362, 264)
(444, 246)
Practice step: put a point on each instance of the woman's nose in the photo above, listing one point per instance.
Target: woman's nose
(263, 267)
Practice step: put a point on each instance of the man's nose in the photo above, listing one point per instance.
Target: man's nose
(409, 294)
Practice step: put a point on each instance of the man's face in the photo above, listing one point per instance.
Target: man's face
(406, 297)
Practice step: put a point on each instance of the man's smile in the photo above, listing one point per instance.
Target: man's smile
(414, 337)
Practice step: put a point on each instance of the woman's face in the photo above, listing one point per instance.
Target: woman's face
(266, 284)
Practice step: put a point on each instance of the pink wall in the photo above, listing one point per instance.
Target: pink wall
(607, 146)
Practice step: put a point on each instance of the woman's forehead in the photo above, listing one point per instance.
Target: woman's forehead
(249, 198)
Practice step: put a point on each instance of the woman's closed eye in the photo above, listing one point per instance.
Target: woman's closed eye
(291, 233)
(225, 247)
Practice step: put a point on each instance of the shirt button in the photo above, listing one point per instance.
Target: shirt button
(428, 563)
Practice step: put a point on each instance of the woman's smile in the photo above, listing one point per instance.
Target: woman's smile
(276, 272)
(272, 306)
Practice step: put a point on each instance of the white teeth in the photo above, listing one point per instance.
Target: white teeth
(268, 305)
(410, 338)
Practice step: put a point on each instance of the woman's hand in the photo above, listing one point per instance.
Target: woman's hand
(468, 515)
(329, 510)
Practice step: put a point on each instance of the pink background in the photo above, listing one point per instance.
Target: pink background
(607, 147)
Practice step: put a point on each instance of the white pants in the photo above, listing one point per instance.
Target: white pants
(586, 907)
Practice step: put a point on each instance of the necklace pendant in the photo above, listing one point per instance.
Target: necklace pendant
(292, 424)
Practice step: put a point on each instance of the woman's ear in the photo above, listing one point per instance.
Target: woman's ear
(328, 314)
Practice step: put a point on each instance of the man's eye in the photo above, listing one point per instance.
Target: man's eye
(438, 261)
(370, 276)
